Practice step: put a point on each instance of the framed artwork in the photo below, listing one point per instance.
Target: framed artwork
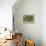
(28, 19)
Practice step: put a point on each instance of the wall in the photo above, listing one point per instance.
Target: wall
(6, 18)
(30, 31)
(43, 22)
(6, 13)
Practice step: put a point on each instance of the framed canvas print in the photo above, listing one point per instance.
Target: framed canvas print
(28, 19)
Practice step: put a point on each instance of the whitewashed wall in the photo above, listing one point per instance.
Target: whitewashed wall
(6, 13)
(6, 16)
(43, 22)
(31, 31)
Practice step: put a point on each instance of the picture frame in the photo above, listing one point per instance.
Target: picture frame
(29, 19)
